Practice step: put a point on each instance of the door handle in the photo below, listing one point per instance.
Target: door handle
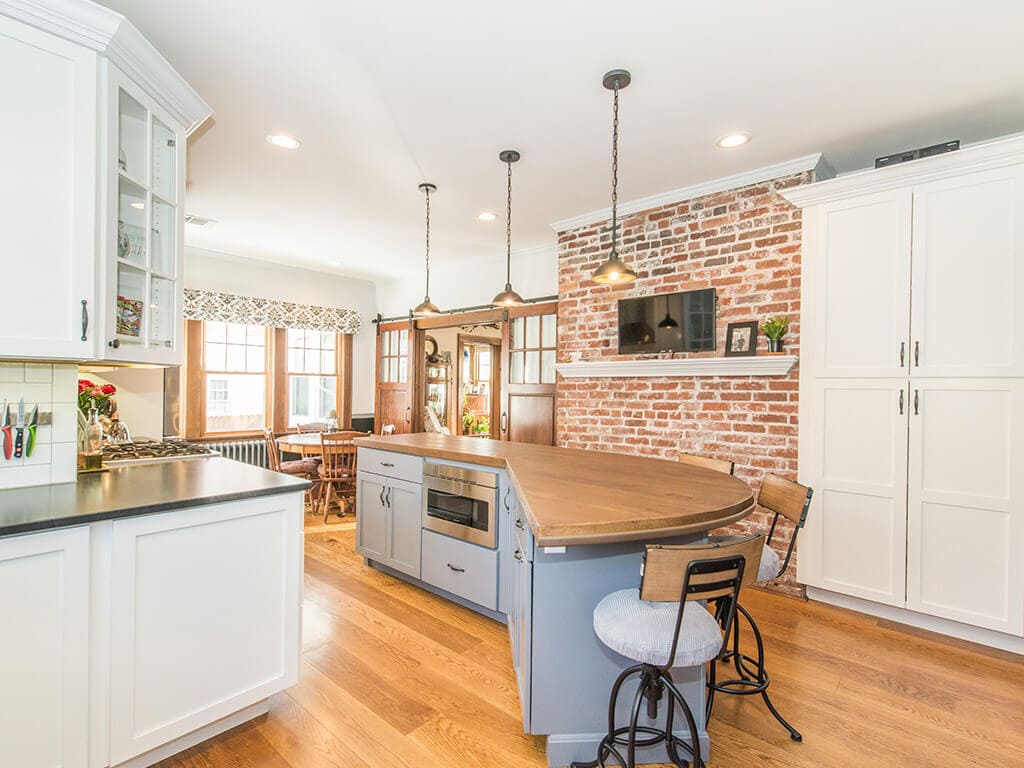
(917, 354)
(916, 410)
(503, 421)
(408, 411)
(901, 402)
(456, 569)
(85, 320)
(903, 349)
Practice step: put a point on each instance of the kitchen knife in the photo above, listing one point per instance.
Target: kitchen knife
(19, 430)
(33, 421)
(5, 427)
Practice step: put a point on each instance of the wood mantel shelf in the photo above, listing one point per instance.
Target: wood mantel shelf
(765, 365)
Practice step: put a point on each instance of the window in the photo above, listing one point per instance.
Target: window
(533, 349)
(312, 376)
(245, 378)
(234, 365)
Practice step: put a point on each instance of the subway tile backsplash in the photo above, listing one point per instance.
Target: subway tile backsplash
(55, 388)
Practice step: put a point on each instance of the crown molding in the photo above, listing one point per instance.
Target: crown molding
(767, 365)
(111, 35)
(989, 155)
(814, 163)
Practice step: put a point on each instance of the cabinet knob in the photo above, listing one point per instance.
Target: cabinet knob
(115, 344)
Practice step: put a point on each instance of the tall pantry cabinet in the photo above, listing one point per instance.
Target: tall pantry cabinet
(911, 395)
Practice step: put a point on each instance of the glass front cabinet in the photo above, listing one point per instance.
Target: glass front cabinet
(142, 225)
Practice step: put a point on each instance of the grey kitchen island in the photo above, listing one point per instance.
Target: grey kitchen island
(568, 528)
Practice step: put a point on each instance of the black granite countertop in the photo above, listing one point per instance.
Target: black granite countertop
(139, 489)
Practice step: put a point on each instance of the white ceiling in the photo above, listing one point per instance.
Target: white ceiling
(384, 95)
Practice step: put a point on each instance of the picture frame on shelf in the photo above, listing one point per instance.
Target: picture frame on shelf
(741, 339)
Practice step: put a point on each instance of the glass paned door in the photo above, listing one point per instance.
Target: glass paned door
(146, 250)
(532, 349)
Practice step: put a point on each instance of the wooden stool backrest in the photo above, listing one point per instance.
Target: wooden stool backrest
(696, 460)
(788, 499)
(273, 451)
(667, 569)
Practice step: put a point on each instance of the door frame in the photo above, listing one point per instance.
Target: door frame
(495, 343)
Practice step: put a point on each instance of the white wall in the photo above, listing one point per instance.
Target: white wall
(471, 283)
(212, 271)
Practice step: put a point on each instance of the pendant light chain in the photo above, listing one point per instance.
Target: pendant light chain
(615, 164)
(427, 295)
(508, 229)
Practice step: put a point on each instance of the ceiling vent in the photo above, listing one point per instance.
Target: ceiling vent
(199, 221)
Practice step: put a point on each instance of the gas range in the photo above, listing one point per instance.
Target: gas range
(151, 451)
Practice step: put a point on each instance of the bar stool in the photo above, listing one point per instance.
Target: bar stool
(706, 462)
(786, 499)
(663, 626)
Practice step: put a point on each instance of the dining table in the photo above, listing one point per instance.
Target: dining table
(302, 443)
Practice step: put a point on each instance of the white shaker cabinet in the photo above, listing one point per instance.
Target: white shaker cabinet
(911, 391)
(48, 205)
(92, 223)
(44, 649)
(205, 617)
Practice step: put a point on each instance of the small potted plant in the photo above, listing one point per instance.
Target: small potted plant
(774, 328)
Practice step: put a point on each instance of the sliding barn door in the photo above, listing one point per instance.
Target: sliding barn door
(528, 374)
(394, 377)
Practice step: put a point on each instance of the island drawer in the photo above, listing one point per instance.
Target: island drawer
(400, 466)
(461, 568)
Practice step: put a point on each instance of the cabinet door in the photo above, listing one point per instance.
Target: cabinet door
(968, 248)
(44, 591)
(142, 226)
(853, 452)
(506, 544)
(405, 526)
(205, 616)
(371, 516)
(524, 634)
(48, 206)
(856, 273)
(965, 521)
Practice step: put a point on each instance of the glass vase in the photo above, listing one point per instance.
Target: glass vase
(94, 433)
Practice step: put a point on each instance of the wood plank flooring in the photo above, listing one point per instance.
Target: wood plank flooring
(394, 677)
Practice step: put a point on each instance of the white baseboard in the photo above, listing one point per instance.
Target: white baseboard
(197, 736)
(978, 635)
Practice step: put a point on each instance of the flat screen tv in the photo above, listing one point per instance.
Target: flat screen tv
(668, 322)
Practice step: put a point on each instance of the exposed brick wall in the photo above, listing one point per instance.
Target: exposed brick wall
(745, 243)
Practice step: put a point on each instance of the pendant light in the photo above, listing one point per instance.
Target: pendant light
(427, 307)
(615, 271)
(668, 321)
(508, 297)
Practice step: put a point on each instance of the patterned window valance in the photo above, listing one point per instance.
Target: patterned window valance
(228, 308)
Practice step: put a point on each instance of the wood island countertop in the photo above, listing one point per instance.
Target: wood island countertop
(574, 497)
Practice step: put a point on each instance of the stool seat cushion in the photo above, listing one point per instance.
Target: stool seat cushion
(642, 630)
(768, 568)
(299, 467)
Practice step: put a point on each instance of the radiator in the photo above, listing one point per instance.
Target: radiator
(246, 451)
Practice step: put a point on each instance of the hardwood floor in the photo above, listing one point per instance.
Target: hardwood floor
(395, 677)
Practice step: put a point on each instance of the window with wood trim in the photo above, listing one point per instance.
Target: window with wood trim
(242, 379)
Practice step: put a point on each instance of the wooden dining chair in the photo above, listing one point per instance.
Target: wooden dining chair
(305, 468)
(337, 469)
(706, 462)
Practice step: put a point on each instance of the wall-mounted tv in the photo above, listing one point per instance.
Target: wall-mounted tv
(668, 322)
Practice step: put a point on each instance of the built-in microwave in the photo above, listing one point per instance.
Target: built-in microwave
(461, 502)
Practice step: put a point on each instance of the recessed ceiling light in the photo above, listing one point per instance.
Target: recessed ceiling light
(733, 140)
(486, 216)
(283, 141)
(138, 205)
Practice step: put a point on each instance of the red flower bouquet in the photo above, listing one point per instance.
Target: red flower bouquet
(92, 395)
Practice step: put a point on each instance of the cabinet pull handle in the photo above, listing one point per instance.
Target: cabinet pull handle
(917, 354)
(382, 495)
(408, 410)
(456, 569)
(85, 320)
(387, 497)
(503, 421)
(916, 411)
(518, 555)
(901, 402)
(508, 492)
(386, 464)
(519, 524)
(903, 349)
